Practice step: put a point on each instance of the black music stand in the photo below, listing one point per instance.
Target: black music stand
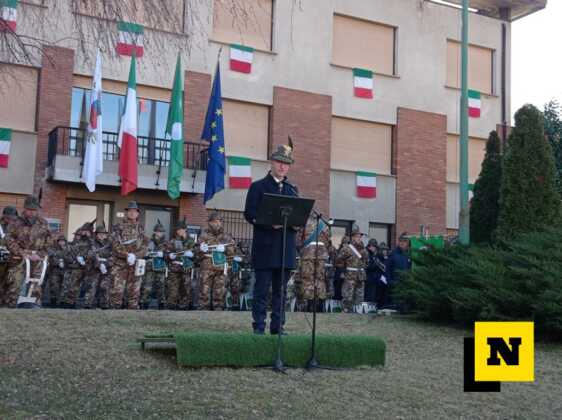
(285, 211)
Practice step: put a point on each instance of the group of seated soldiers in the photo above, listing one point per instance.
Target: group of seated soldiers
(126, 269)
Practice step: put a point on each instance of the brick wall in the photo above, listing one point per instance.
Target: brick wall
(53, 108)
(7, 199)
(420, 162)
(197, 89)
(307, 118)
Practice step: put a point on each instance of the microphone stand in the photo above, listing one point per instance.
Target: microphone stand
(313, 362)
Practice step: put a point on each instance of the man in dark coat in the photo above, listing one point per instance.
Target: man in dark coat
(267, 243)
(399, 260)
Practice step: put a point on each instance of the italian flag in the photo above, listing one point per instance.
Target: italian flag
(366, 184)
(174, 132)
(130, 40)
(5, 141)
(241, 58)
(239, 172)
(474, 104)
(363, 83)
(127, 140)
(8, 14)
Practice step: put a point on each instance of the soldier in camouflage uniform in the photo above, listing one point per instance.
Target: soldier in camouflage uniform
(28, 238)
(353, 259)
(214, 268)
(180, 268)
(57, 269)
(77, 263)
(154, 281)
(235, 276)
(9, 216)
(128, 245)
(97, 281)
(314, 248)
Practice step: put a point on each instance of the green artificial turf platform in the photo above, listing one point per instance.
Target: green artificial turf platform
(215, 349)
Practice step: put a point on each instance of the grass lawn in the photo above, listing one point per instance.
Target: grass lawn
(61, 364)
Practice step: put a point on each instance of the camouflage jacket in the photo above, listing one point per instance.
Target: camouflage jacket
(55, 255)
(308, 240)
(25, 236)
(99, 253)
(214, 238)
(155, 245)
(128, 238)
(178, 246)
(79, 247)
(348, 259)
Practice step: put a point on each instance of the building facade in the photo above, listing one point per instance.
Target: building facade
(300, 84)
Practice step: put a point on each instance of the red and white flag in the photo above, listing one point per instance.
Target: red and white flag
(127, 140)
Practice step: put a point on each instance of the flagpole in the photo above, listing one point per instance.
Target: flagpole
(201, 151)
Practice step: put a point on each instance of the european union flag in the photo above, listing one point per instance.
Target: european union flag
(213, 132)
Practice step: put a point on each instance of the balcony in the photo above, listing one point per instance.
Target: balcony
(65, 160)
(515, 9)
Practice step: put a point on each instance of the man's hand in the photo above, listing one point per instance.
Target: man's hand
(188, 254)
(220, 248)
(131, 258)
(204, 247)
(103, 269)
(277, 227)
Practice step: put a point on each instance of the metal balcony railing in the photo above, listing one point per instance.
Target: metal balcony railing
(70, 141)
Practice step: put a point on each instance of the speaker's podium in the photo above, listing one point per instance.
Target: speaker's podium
(283, 210)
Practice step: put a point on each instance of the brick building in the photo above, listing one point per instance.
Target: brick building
(301, 84)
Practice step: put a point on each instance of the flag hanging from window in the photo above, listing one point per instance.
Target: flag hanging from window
(366, 184)
(474, 104)
(363, 83)
(241, 58)
(130, 40)
(213, 132)
(239, 172)
(9, 13)
(5, 143)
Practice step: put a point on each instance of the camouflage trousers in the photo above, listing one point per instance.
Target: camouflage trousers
(152, 287)
(104, 289)
(352, 289)
(15, 280)
(212, 282)
(178, 289)
(91, 288)
(55, 282)
(306, 280)
(3, 284)
(124, 280)
(71, 287)
(234, 286)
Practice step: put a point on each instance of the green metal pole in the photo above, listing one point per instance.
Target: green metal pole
(464, 216)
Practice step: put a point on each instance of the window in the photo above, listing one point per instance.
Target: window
(476, 153)
(80, 212)
(364, 44)
(18, 83)
(361, 145)
(248, 23)
(480, 67)
(380, 232)
(246, 127)
(150, 215)
(166, 15)
(151, 124)
(236, 225)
